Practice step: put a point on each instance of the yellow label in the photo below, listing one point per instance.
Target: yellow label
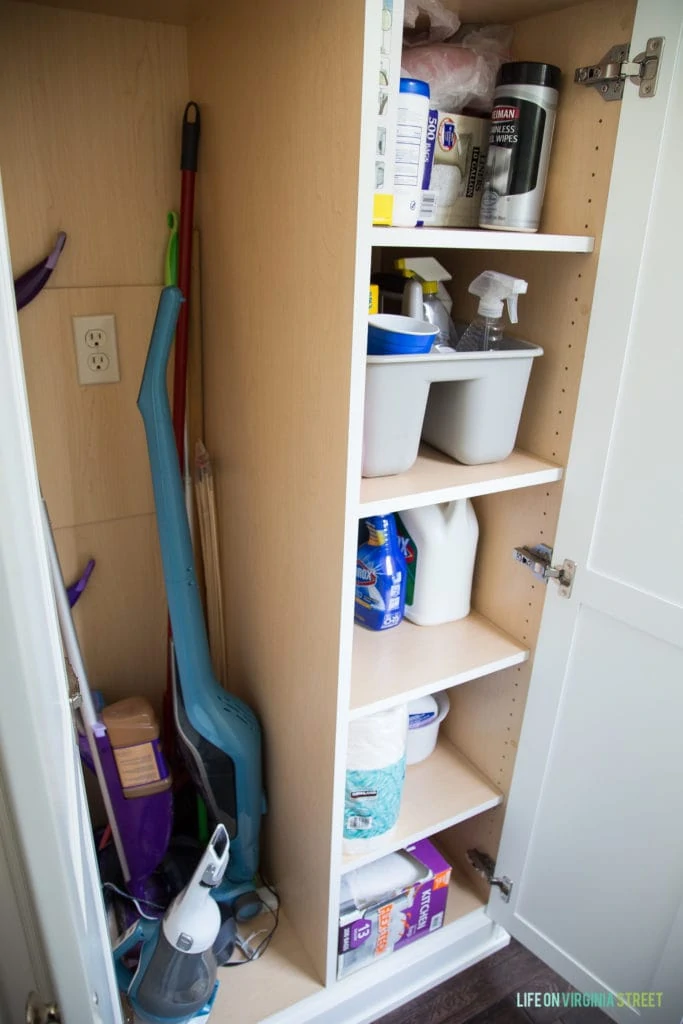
(373, 302)
(383, 209)
(441, 880)
(137, 765)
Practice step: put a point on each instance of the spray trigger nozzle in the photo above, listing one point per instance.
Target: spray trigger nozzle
(493, 290)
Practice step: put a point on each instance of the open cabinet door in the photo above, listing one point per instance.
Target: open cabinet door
(593, 837)
(46, 835)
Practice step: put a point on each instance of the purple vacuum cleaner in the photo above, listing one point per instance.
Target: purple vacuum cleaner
(121, 747)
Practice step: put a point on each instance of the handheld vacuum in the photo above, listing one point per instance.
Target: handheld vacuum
(175, 979)
(219, 735)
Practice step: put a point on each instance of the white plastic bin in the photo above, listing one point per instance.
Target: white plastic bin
(467, 405)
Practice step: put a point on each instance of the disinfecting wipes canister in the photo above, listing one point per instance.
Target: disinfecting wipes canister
(522, 122)
(411, 146)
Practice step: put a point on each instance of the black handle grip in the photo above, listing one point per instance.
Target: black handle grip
(190, 143)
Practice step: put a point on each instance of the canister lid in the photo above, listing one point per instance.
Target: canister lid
(414, 85)
(529, 72)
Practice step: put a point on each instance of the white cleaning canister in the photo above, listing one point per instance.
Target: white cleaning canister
(411, 144)
(440, 544)
(522, 123)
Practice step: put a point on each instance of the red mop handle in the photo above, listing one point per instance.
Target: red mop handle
(188, 167)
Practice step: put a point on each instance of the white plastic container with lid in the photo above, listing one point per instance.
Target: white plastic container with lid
(411, 144)
(425, 715)
(439, 543)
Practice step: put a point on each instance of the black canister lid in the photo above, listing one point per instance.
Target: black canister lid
(529, 72)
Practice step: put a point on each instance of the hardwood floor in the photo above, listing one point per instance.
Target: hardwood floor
(487, 994)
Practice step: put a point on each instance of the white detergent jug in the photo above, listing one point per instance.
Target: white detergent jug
(439, 543)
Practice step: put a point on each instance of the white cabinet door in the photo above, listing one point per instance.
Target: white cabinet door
(593, 837)
(40, 778)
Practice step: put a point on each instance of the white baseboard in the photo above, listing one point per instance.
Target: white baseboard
(366, 996)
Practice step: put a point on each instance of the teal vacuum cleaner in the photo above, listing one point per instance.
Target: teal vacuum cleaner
(219, 735)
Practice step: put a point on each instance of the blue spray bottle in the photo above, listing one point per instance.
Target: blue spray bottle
(380, 576)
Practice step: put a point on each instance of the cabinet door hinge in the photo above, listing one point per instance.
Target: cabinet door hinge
(482, 863)
(39, 1012)
(609, 75)
(539, 560)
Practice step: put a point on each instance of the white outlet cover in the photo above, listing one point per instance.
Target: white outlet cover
(104, 325)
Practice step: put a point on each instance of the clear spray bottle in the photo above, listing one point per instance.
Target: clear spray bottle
(485, 333)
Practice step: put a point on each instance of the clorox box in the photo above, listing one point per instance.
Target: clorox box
(457, 174)
(391, 903)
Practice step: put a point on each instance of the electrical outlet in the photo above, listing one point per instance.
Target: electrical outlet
(97, 357)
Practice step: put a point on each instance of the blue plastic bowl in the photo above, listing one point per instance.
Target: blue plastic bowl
(391, 335)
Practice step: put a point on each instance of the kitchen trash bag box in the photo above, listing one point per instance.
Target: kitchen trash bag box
(391, 903)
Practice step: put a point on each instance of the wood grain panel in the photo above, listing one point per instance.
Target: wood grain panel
(182, 12)
(487, 716)
(121, 617)
(90, 442)
(171, 12)
(586, 127)
(89, 140)
(278, 247)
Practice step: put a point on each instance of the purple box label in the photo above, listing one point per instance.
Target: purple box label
(354, 935)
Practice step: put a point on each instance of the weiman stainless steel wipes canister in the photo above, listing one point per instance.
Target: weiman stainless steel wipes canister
(522, 123)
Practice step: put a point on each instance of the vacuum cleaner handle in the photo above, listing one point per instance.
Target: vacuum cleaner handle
(176, 549)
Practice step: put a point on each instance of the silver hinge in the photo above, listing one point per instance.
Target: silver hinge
(39, 1012)
(609, 75)
(482, 863)
(539, 560)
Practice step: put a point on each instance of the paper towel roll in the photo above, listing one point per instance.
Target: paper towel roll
(377, 740)
(375, 772)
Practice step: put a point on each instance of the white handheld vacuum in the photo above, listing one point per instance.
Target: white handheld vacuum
(175, 980)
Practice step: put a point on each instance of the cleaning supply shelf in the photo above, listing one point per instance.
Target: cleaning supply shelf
(272, 986)
(411, 661)
(436, 477)
(439, 792)
(463, 238)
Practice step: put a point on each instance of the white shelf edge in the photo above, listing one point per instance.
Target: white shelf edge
(419, 499)
(393, 980)
(447, 683)
(463, 238)
(400, 842)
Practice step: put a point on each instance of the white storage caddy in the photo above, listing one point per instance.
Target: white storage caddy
(467, 405)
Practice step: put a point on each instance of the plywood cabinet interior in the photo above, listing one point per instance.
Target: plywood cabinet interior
(284, 214)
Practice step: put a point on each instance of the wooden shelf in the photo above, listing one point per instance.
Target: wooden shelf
(280, 978)
(436, 477)
(440, 792)
(463, 238)
(410, 661)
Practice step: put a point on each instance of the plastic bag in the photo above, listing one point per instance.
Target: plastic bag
(463, 74)
(442, 22)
